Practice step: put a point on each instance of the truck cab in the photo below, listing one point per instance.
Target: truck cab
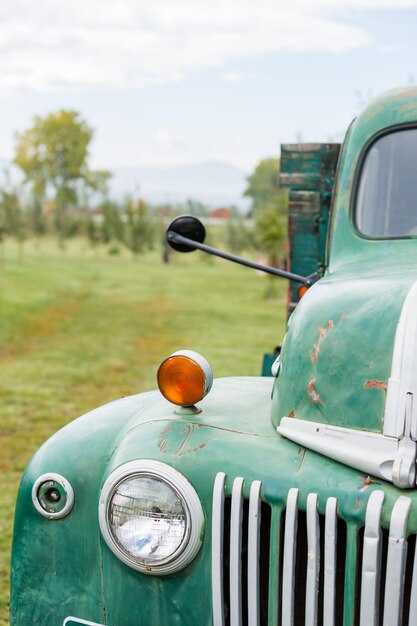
(282, 500)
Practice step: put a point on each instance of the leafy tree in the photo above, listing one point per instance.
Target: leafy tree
(240, 235)
(53, 155)
(271, 224)
(112, 226)
(92, 232)
(263, 184)
(140, 229)
(36, 218)
(270, 210)
(12, 217)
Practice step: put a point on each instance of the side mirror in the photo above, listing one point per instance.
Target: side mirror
(187, 230)
(186, 226)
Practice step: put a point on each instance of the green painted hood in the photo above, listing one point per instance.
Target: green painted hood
(63, 567)
(336, 357)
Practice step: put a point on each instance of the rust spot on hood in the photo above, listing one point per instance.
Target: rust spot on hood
(367, 481)
(376, 384)
(314, 355)
(313, 396)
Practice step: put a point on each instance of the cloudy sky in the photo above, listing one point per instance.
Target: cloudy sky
(187, 81)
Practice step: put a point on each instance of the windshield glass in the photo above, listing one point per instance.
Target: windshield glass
(386, 203)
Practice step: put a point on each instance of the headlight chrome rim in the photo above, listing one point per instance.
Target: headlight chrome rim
(191, 542)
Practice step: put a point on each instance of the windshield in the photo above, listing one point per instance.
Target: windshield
(386, 203)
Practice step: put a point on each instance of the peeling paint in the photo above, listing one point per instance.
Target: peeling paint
(376, 384)
(367, 480)
(178, 442)
(313, 396)
(166, 430)
(185, 447)
(322, 334)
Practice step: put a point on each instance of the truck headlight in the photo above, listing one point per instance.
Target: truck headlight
(151, 517)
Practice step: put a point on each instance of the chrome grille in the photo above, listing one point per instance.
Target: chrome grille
(305, 554)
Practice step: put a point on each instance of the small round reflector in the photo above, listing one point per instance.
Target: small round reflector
(185, 377)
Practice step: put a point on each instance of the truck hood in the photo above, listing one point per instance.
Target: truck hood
(63, 567)
(347, 365)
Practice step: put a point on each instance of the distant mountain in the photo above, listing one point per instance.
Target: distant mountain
(215, 183)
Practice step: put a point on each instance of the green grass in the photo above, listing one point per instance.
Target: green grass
(81, 328)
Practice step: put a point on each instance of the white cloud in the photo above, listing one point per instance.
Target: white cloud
(98, 44)
(235, 77)
(168, 138)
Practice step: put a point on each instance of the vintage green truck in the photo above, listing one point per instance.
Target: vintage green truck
(275, 501)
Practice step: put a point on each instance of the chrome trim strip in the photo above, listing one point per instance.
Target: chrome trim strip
(235, 553)
(397, 555)
(372, 453)
(254, 531)
(371, 561)
(402, 380)
(330, 543)
(313, 560)
(290, 546)
(217, 550)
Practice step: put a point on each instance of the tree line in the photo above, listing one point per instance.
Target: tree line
(60, 194)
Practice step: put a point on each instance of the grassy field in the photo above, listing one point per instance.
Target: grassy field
(80, 328)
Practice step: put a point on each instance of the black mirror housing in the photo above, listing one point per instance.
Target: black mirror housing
(189, 227)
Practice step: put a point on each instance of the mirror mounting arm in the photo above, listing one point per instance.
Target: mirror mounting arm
(176, 238)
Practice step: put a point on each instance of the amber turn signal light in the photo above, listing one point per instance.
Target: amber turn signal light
(301, 291)
(184, 378)
(309, 281)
